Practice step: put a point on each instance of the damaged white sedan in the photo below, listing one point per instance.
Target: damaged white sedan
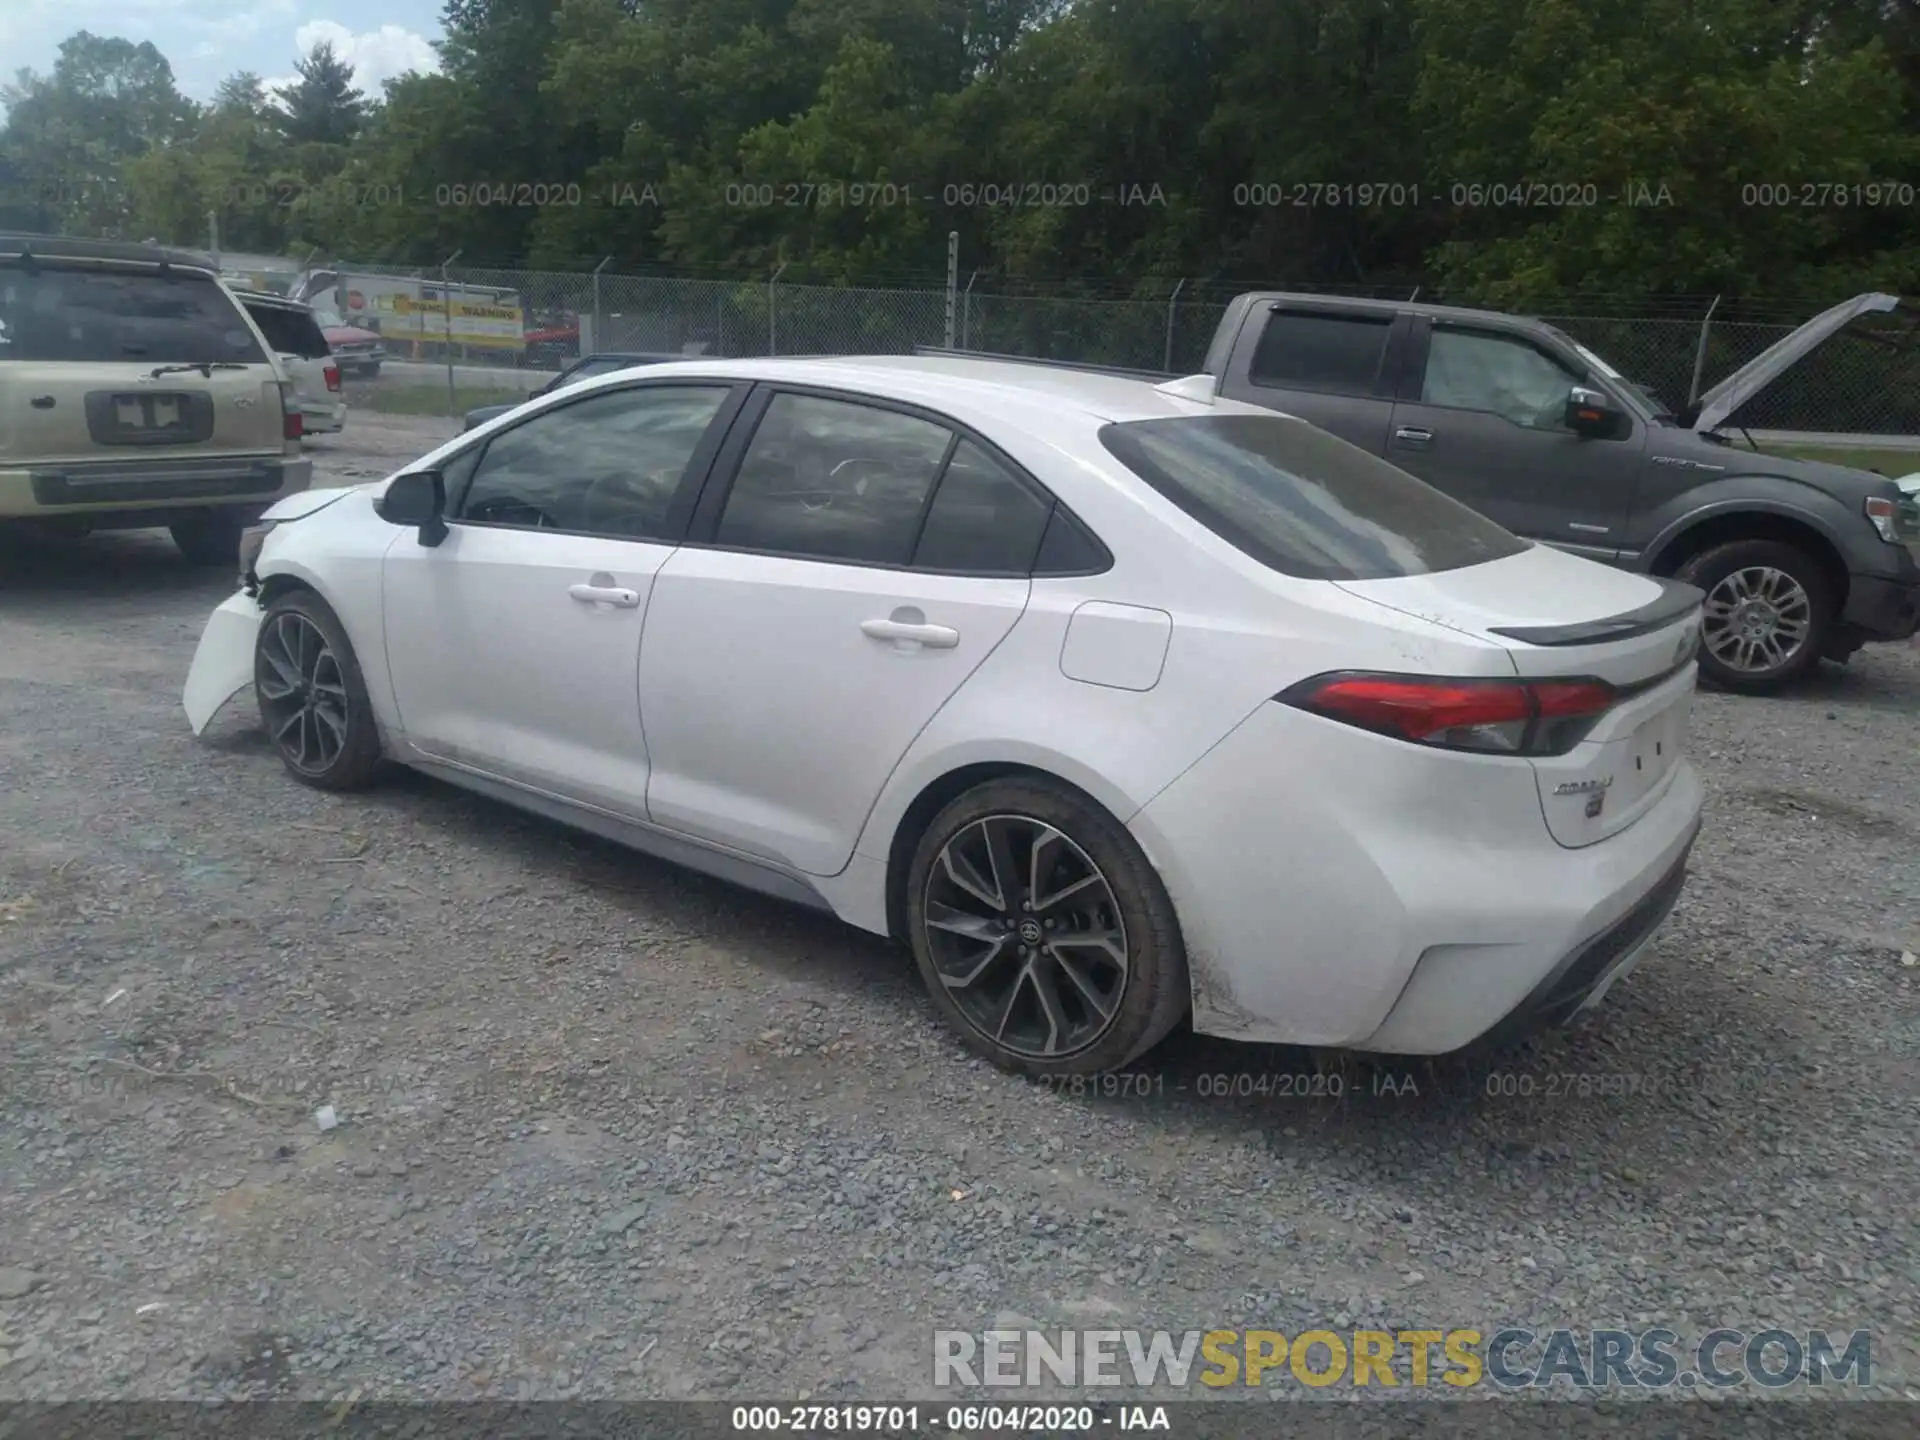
(1118, 703)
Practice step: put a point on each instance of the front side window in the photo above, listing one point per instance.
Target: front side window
(130, 316)
(1303, 502)
(608, 465)
(1473, 370)
(834, 480)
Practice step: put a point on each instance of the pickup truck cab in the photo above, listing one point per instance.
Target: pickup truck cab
(1800, 560)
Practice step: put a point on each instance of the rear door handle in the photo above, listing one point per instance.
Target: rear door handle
(614, 595)
(934, 637)
(1413, 437)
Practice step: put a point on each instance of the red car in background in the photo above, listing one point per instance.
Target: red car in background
(358, 352)
(553, 345)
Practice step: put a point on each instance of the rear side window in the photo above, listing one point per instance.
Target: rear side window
(984, 520)
(290, 332)
(1303, 502)
(134, 317)
(1310, 351)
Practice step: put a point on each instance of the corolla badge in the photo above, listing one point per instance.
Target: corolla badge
(1584, 787)
(1594, 790)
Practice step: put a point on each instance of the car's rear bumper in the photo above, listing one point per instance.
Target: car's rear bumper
(1882, 608)
(1343, 889)
(87, 488)
(323, 419)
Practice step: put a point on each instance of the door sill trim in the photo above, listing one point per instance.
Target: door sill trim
(722, 863)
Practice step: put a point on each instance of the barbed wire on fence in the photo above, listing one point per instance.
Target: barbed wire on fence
(1851, 384)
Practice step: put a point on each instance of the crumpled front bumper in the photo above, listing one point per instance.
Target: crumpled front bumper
(223, 663)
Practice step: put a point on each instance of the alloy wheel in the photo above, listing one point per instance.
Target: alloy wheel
(303, 693)
(1027, 936)
(1757, 619)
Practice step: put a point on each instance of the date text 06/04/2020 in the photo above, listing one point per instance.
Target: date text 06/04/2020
(964, 1419)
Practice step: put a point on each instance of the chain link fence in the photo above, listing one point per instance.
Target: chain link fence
(511, 329)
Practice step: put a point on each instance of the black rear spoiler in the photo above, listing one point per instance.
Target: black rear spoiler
(1674, 601)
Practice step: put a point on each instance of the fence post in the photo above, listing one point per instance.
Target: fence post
(446, 313)
(1700, 356)
(1173, 302)
(773, 335)
(953, 282)
(599, 325)
(966, 313)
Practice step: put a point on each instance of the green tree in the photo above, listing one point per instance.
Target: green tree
(321, 107)
(70, 133)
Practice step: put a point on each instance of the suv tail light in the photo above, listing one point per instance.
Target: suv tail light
(332, 374)
(291, 424)
(1489, 717)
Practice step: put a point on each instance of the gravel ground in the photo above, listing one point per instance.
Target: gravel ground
(609, 1129)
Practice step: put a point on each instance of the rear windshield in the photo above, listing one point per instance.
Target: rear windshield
(48, 313)
(290, 332)
(1304, 502)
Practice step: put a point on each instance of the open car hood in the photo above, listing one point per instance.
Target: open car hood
(1719, 403)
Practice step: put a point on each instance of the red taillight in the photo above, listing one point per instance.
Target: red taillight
(332, 372)
(291, 426)
(1494, 717)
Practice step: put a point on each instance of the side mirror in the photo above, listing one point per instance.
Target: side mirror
(1591, 413)
(417, 499)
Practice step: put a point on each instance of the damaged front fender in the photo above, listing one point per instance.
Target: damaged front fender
(223, 663)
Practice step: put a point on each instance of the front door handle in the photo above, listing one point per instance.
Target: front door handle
(1413, 437)
(614, 595)
(934, 637)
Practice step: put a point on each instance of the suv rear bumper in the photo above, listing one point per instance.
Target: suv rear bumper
(1883, 609)
(87, 489)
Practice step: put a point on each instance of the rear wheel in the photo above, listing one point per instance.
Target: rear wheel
(211, 537)
(1769, 614)
(1042, 931)
(313, 699)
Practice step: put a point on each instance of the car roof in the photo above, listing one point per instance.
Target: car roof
(942, 380)
(1369, 305)
(66, 247)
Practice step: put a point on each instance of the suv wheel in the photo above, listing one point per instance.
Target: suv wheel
(1769, 614)
(1042, 931)
(211, 537)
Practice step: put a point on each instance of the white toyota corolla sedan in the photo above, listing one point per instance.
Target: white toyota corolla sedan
(1118, 703)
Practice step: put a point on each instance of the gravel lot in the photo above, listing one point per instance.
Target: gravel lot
(609, 1129)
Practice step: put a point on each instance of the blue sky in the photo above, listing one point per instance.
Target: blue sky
(207, 40)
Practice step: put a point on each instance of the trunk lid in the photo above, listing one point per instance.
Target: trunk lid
(1718, 405)
(62, 412)
(1558, 616)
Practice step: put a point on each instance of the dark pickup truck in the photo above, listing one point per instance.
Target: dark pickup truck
(1800, 560)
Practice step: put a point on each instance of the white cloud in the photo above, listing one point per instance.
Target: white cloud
(375, 55)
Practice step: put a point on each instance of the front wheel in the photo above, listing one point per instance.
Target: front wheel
(1042, 931)
(313, 699)
(1769, 614)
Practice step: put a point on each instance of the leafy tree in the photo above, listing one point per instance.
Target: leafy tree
(69, 133)
(321, 107)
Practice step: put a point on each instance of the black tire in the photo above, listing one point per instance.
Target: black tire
(1722, 565)
(211, 537)
(1152, 995)
(357, 759)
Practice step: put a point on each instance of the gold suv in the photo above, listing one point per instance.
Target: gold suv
(135, 391)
